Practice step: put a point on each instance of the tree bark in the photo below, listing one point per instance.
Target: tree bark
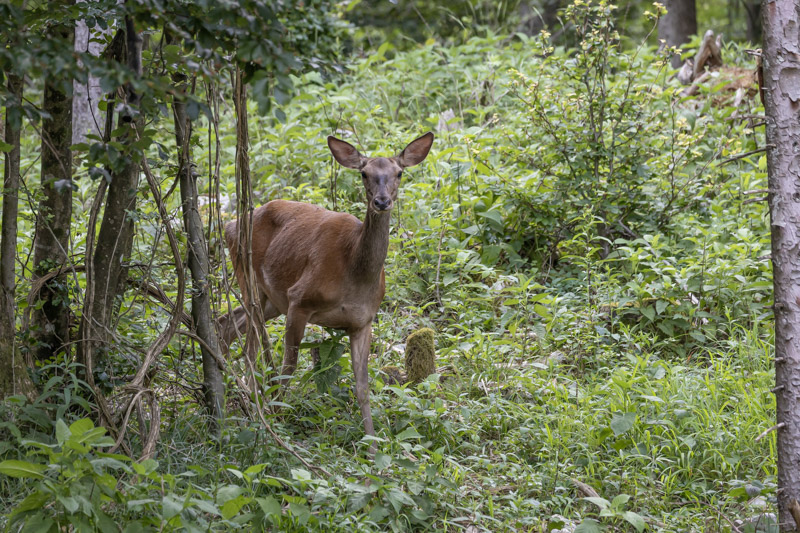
(50, 323)
(781, 63)
(753, 13)
(537, 16)
(202, 318)
(85, 113)
(14, 377)
(678, 25)
(115, 239)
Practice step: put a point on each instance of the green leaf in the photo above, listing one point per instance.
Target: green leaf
(415, 487)
(634, 519)
(5, 147)
(661, 305)
(398, 499)
(622, 423)
(39, 523)
(602, 503)
(232, 507)
(269, 505)
(382, 460)
(227, 493)
(255, 469)
(358, 501)
(300, 511)
(409, 433)
(590, 525)
(648, 312)
(69, 503)
(62, 431)
(79, 427)
(170, 506)
(620, 500)
(22, 469)
(35, 500)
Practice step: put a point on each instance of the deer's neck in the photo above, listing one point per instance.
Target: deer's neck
(373, 243)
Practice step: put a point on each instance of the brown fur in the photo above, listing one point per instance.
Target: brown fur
(322, 267)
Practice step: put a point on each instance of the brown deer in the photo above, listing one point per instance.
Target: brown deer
(322, 267)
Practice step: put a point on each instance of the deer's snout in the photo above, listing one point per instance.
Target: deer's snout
(382, 203)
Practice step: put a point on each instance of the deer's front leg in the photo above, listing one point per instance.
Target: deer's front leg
(359, 348)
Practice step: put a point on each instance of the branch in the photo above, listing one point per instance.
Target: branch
(746, 154)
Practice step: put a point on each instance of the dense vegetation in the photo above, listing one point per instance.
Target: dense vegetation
(582, 239)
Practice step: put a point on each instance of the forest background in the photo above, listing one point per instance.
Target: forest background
(588, 239)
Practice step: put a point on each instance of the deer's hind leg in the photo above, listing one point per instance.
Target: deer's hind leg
(257, 347)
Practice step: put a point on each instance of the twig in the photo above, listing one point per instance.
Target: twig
(755, 200)
(746, 154)
(770, 430)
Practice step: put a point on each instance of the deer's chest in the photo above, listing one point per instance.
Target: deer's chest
(355, 307)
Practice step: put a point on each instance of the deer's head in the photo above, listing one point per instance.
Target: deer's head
(381, 175)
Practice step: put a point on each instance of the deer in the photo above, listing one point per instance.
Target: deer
(323, 267)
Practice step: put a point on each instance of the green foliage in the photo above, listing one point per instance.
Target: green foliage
(597, 281)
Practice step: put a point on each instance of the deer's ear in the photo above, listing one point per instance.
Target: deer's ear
(345, 153)
(416, 151)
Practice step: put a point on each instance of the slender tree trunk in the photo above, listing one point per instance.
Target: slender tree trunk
(85, 113)
(753, 13)
(537, 16)
(214, 392)
(115, 239)
(781, 63)
(14, 377)
(51, 242)
(678, 25)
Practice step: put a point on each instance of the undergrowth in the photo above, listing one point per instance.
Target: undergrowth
(598, 285)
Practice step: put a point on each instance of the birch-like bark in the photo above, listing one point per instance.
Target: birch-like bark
(781, 63)
(86, 117)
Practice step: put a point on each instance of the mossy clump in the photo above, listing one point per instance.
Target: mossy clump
(393, 375)
(420, 355)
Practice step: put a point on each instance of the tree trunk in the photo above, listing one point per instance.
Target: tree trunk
(85, 114)
(537, 16)
(678, 25)
(781, 63)
(115, 239)
(14, 377)
(50, 323)
(214, 392)
(753, 13)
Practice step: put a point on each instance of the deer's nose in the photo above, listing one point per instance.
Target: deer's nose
(382, 204)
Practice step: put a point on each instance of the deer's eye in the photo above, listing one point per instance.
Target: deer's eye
(399, 174)
(363, 174)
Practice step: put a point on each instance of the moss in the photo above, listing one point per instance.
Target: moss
(420, 355)
(393, 375)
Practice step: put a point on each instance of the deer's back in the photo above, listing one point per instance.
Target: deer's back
(299, 247)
